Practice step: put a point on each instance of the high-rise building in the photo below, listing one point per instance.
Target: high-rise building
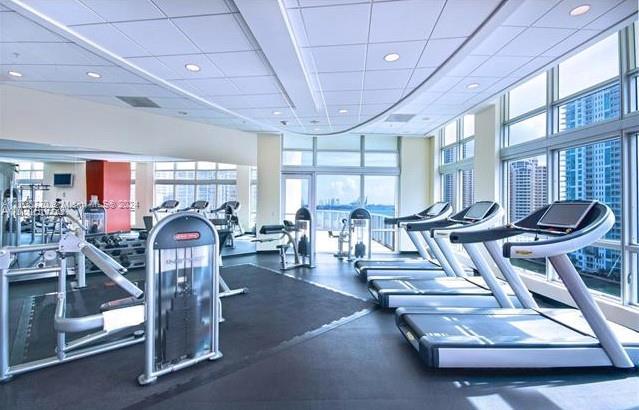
(528, 189)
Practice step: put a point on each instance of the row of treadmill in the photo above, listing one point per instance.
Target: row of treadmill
(472, 318)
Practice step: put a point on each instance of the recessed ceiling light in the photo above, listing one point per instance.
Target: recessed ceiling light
(93, 74)
(580, 10)
(15, 73)
(343, 111)
(194, 68)
(277, 112)
(391, 57)
(472, 86)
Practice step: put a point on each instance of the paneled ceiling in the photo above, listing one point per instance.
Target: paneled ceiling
(307, 66)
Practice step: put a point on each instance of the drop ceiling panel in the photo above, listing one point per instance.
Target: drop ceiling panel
(66, 11)
(153, 66)
(381, 96)
(342, 97)
(622, 11)
(321, 3)
(338, 58)
(500, 66)
(240, 64)
(345, 81)
(265, 100)
(208, 86)
(461, 17)
(212, 34)
(177, 65)
(348, 24)
(47, 53)
(419, 75)
(559, 16)
(404, 21)
(124, 10)
(159, 37)
(467, 65)
(14, 27)
(386, 79)
(501, 36)
(570, 43)
(529, 12)
(110, 38)
(437, 51)
(183, 8)
(409, 52)
(256, 85)
(533, 41)
(73, 73)
(177, 103)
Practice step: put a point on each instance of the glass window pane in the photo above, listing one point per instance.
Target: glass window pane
(226, 193)
(227, 175)
(449, 183)
(37, 175)
(164, 166)
(185, 165)
(601, 105)
(184, 174)
(24, 165)
(185, 194)
(527, 130)
(226, 166)
(297, 142)
(163, 174)
(469, 125)
(163, 193)
(600, 268)
(450, 133)
(380, 159)
(205, 175)
(449, 155)
(380, 198)
(205, 165)
(337, 195)
(527, 191)
(380, 143)
(346, 142)
(593, 172)
(468, 188)
(468, 149)
(297, 158)
(527, 96)
(206, 192)
(296, 195)
(591, 66)
(37, 165)
(339, 159)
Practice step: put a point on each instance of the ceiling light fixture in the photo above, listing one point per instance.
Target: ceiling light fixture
(94, 75)
(580, 10)
(277, 112)
(343, 111)
(472, 86)
(391, 57)
(15, 73)
(194, 68)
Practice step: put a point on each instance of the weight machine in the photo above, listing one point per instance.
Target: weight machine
(299, 236)
(360, 234)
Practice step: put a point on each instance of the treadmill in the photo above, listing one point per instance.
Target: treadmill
(435, 212)
(530, 337)
(459, 290)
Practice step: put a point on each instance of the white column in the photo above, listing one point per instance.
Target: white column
(244, 194)
(144, 181)
(268, 183)
(487, 163)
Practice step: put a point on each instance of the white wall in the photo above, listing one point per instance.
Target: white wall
(268, 183)
(40, 117)
(77, 193)
(486, 172)
(415, 180)
(143, 191)
(244, 194)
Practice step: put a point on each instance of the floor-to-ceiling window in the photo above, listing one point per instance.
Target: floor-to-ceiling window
(457, 150)
(563, 138)
(345, 172)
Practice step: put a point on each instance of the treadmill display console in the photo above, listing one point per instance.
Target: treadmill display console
(565, 215)
(436, 209)
(478, 211)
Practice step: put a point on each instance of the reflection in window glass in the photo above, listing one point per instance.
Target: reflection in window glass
(468, 149)
(591, 66)
(338, 159)
(164, 192)
(601, 105)
(527, 191)
(297, 158)
(296, 195)
(380, 143)
(206, 192)
(527, 96)
(468, 188)
(226, 192)
(345, 142)
(527, 130)
(449, 155)
(450, 133)
(380, 194)
(336, 196)
(469, 125)
(297, 142)
(380, 159)
(449, 183)
(594, 172)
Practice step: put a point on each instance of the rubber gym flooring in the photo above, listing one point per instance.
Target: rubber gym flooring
(311, 343)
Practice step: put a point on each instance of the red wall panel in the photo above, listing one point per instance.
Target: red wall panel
(111, 182)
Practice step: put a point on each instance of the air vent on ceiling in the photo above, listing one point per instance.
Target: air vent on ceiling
(139, 102)
(399, 117)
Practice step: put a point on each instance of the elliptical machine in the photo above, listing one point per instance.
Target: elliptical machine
(360, 234)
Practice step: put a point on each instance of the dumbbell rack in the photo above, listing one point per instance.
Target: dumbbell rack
(126, 248)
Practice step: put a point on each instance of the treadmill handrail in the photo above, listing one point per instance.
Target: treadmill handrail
(428, 225)
(601, 222)
(485, 235)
